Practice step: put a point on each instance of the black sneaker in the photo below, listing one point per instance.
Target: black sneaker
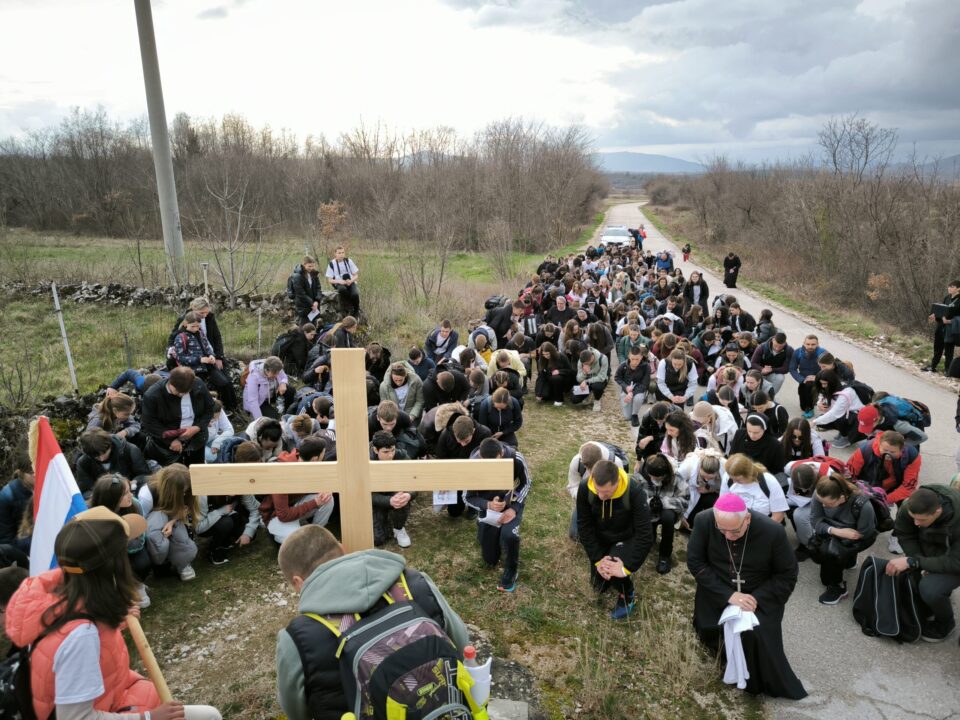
(634, 421)
(834, 594)
(802, 553)
(664, 565)
(936, 632)
(218, 557)
(928, 368)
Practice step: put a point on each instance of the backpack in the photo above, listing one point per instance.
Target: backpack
(495, 301)
(291, 291)
(762, 482)
(827, 464)
(863, 391)
(398, 662)
(877, 497)
(282, 344)
(911, 411)
(886, 606)
(228, 449)
(616, 451)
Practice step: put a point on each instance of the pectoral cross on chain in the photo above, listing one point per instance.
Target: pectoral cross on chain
(738, 582)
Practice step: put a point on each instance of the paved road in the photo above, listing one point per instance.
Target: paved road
(848, 674)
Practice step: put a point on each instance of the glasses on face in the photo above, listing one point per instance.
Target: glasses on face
(798, 436)
(732, 531)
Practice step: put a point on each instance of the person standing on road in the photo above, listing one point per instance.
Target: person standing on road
(947, 331)
(731, 270)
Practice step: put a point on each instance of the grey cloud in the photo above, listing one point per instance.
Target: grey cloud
(747, 71)
(216, 13)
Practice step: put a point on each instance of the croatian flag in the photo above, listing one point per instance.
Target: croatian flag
(56, 496)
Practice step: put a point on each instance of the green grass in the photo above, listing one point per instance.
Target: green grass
(832, 317)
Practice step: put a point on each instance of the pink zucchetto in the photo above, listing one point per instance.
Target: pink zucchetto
(730, 503)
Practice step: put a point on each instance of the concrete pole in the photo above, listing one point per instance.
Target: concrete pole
(162, 156)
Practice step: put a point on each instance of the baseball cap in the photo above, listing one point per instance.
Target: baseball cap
(94, 537)
(867, 418)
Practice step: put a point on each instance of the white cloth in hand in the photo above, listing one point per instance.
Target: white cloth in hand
(736, 620)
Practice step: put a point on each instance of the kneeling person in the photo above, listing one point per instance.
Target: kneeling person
(615, 529)
(333, 586)
(500, 513)
(389, 509)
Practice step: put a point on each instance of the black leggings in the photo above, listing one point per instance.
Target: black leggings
(808, 391)
(349, 299)
(219, 381)
(941, 348)
(666, 521)
(226, 531)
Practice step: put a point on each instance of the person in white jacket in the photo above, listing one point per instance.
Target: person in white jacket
(702, 470)
(716, 421)
(220, 429)
(839, 406)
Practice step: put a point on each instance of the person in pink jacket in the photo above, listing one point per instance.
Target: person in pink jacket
(266, 390)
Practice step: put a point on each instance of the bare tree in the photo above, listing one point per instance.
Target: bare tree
(853, 145)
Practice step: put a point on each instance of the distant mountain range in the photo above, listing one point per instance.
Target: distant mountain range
(632, 162)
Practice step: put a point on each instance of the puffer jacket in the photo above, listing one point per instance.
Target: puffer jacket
(189, 347)
(24, 624)
(259, 388)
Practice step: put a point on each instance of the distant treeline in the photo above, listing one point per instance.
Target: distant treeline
(849, 227)
(91, 174)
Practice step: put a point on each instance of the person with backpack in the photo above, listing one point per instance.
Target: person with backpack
(844, 525)
(839, 406)
(887, 462)
(928, 526)
(581, 465)
(293, 346)
(202, 309)
(303, 287)
(311, 671)
(615, 530)
(894, 413)
(441, 342)
(192, 349)
(342, 273)
(79, 664)
(759, 489)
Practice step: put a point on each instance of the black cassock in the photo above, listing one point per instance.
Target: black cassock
(731, 270)
(769, 573)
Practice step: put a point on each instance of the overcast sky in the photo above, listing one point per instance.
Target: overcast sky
(753, 79)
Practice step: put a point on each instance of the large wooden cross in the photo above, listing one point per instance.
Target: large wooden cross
(353, 476)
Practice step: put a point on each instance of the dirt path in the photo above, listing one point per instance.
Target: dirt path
(848, 674)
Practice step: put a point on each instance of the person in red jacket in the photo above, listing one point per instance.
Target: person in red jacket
(887, 461)
(283, 514)
(73, 616)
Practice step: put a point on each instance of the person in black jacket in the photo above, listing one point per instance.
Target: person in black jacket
(633, 379)
(293, 347)
(697, 292)
(171, 435)
(731, 270)
(941, 346)
(615, 530)
(741, 320)
(501, 412)
(103, 453)
(554, 375)
(505, 320)
(15, 497)
(459, 438)
(304, 287)
(445, 386)
(756, 441)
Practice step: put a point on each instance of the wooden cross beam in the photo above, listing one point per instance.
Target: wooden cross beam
(353, 476)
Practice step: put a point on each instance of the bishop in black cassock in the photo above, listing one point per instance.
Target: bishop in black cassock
(765, 564)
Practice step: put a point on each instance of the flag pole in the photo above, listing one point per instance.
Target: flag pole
(149, 661)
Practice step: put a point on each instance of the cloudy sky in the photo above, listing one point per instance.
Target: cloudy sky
(753, 79)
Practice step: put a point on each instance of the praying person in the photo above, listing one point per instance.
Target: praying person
(741, 558)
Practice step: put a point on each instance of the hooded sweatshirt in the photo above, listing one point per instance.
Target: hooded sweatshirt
(350, 584)
(610, 527)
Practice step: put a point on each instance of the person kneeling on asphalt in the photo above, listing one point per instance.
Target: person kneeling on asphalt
(615, 529)
(844, 524)
(928, 527)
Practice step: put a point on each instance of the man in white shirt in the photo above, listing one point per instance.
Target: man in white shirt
(342, 273)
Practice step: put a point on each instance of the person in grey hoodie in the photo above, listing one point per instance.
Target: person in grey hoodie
(333, 584)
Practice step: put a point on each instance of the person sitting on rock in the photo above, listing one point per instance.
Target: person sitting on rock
(267, 384)
(102, 453)
(176, 415)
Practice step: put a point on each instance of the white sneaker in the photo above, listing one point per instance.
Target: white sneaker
(596, 406)
(187, 572)
(840, 442)
(558, 404)
(894, 545)
(144, 601)
(403, 540)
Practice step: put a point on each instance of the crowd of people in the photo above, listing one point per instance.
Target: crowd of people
(696, 377)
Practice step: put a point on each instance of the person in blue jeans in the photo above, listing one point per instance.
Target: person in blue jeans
(804, 368)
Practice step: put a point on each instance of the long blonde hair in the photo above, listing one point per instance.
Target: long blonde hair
(678, 354)
(173, 491)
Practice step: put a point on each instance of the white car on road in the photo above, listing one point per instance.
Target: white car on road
(616, 235)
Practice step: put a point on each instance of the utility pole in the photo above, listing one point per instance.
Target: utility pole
(162, 157)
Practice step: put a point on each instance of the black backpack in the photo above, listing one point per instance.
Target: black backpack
(863, 391)
(887, 606)
(282, 344)
(291, 291)
(495, 301)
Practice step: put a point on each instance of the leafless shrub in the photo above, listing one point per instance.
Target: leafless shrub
(21, 381)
